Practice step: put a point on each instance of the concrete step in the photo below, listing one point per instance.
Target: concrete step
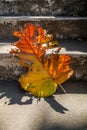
(76, 49)
(20, 110)
(45, 7)
(61, 27)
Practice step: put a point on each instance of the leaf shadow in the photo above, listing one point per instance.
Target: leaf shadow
(55, 105)
(12, 91)
(13, 94)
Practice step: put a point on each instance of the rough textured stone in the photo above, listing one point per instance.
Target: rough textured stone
(61, 29)
(45, 7)
(10, 67)
(79, 66)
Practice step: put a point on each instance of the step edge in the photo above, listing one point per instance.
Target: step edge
(40, 18)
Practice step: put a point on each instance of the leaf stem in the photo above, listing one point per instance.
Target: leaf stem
(62, 88)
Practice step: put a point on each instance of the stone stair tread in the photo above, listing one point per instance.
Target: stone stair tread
(21, 110)
(71, 47)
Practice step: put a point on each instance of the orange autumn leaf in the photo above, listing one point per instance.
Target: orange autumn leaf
(58, 67)
(29, 40)
(48, 71)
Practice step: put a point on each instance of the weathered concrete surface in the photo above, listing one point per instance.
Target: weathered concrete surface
(45, 7)
(22, 111)
(62, 28)
(10, 67)
(79, 65)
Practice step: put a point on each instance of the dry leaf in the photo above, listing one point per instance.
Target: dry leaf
(47, 72)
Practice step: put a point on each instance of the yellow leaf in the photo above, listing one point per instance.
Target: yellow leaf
(38, 81)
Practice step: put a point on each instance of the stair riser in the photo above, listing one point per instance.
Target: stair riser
(11, 69)
(62, 29)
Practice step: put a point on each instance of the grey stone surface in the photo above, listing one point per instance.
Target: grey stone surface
(10, 67)
(61, 28)
(79, 66)
(43, 7)
(20, 110)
